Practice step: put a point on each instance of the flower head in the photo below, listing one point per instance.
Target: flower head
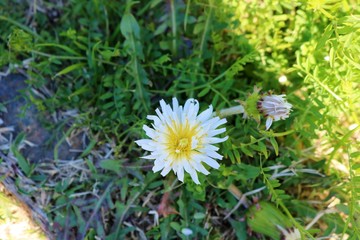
(250, 105)
(274, 108)
(181, 139)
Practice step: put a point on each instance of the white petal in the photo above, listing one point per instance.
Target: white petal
(210, 122)
(194, 143)
(213, 154)
(205, 115)
(220, 122)
(216, 132)
(180, 173)
(211, 162)
(188, 102)
(201, 168)
(165, 171)
(176, 113)
(175, 167)
(186, 165)
(146, 144)
(168, 113)
(191, 171)
(151, 156)
(208, 148)
(149, 132)
(268, 123)
(194, 177)
(156, 119)
(191, 109)
(161, 116)
(163, 105)
(175, 104)
(276, 118)
(213, 140)
(158, 166)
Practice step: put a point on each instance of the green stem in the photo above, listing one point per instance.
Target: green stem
(25, 28)
(173, 27)
(57, 56)
(230, 111)
(71, 57)
(207, 24)
(137, 74)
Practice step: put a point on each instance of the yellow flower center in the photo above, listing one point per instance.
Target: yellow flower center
(183, 145)
(179, 140)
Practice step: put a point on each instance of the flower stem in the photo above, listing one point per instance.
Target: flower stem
(230, 111)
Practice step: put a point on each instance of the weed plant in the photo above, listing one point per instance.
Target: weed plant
(113, 61)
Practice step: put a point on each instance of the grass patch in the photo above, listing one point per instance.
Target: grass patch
(97, 69)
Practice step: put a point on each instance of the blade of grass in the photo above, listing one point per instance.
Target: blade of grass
(23, 27)
(96, 209)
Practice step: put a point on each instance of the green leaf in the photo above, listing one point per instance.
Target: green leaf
(129, 26)
(230, 155)
(89, 148)
(275, 145)
(106, 96)
(355, 166)
(108, 54)
(111, 165)
(63, 47)
(23, 163)
(246, 151)
(176, 226)
(204, 92)
(249, 171)
(20, 41)
(80, 221)
(163, 59)
(263, 150)
(3, 108)
(326, 35)
(124, 188)
(161, 29)
(240, 228)
(91, 166)
(69, 69)
(264, 218)
(199, 215)
(108, 105)
(355, 154)
(237, 155)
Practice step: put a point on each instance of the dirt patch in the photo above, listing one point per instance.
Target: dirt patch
(44, 147)
(24, 118)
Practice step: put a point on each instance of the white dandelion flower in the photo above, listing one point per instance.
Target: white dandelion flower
(274, 108)
(180, 139)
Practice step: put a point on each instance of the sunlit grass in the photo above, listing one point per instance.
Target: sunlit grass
(15, 223)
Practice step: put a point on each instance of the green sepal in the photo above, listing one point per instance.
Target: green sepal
(251, 103)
